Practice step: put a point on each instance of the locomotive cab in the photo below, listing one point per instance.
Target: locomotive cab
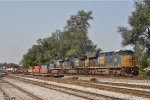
(128, 62)
(127, 58)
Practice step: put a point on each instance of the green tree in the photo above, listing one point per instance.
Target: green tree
(77, 27)
(71, 53)
(5, 64)
(1, 64)
(73, 41)
(10, 65)
(144, 61)
(138, 32)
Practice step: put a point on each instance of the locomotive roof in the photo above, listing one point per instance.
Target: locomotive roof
(125, 51)
(117, 51)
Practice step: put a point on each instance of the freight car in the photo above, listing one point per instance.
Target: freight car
(122, 62)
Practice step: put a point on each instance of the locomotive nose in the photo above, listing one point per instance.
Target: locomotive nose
(128, 61)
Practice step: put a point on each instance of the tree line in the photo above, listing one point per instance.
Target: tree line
(9, 65)
(73, 41)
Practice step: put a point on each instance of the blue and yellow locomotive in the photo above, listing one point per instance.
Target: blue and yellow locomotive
(122, 62)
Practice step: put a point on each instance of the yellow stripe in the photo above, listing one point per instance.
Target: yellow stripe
(100, 67)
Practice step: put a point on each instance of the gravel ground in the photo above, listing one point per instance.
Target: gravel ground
(101, 92)
(43, 93)
(113, 80)
(13, 93)
(148, 90)
(1, 96)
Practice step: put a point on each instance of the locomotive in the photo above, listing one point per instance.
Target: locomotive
(122, 62)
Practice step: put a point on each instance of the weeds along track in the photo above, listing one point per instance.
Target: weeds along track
(140, 91)
(71, 91)
(7, 95)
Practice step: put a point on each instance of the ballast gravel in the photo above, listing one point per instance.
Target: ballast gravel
(41, 92)
(114, 80)
(92, 90)
(13, 93)
(1, 96)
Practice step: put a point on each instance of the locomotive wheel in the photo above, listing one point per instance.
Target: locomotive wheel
(135, 71)
(123, 72)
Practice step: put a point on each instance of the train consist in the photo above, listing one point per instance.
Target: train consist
(122, 62)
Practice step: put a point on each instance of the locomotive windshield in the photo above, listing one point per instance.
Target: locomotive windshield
(126, 52)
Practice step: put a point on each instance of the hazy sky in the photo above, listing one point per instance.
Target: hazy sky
(22, 23)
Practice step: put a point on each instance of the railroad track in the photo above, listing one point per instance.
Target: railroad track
(115, 77)
(125, 90)
(142, 91)
(2, 91)
(8, 97)
(71, 91)
(71, 80)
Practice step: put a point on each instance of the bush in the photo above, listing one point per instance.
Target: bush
(144, 73)
(144, 61)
